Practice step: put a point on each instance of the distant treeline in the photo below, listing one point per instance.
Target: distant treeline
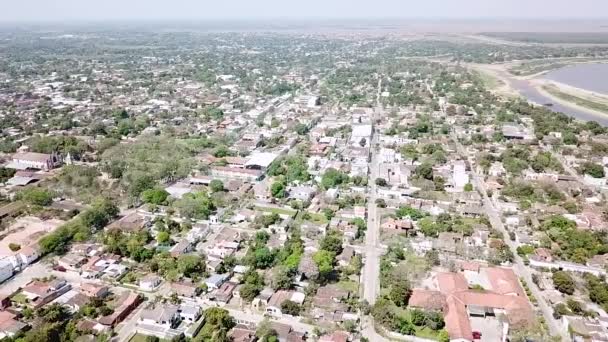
(552, 37)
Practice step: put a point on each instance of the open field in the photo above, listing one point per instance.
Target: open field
(26, 230)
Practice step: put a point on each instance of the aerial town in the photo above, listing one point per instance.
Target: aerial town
(296, 186)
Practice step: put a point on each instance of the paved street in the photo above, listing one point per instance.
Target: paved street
(371, 269)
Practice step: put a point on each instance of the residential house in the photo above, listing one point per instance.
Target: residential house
(150, 282)
(127, 302)
(279, 297)
(165, 316)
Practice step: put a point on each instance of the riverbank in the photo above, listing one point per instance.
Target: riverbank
(531, 89)
(572, 97)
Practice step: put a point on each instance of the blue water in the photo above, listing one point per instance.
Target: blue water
(592, 77)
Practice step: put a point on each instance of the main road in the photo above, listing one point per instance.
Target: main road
(371, 269)
(370, 277)
(520, 269)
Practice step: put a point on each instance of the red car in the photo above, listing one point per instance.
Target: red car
(59, 268)
(476, 335)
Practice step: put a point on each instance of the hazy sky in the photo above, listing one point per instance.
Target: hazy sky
(57, 10)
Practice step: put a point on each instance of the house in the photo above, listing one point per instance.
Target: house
(329, 295)
(302, 193)
(224, 293)
(9, 325)
(181, 247)
(72, 261)
(150, 282)
(336, 336)
(94, 290)
(189, 312)
(215, 281)
(128, 301)
(261, 301)
(585, 329)
(131, 223)
(346, 256)
(242, 333)
(185, 289)
(307, 269)
(88, 325)
(403, 225)
(29, 254)
(42, 292)
(279, 297)
(261, 190)
(285, 333)
(165, 316)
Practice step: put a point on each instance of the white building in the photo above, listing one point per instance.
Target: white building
(31, 160)
(6, 270)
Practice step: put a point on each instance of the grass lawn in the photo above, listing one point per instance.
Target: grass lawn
(279, 211)
(315, 218)
(142, 338)
(425, 332)
(349, 286)
(19, 298)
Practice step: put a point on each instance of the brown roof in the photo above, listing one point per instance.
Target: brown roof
(506, 294)
(336, 336)
(504, 281)
(427, 299)
(451, 282)
(241, 333)
(279, 297)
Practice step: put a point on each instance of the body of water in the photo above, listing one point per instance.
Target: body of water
(533, 95)
(591, 77)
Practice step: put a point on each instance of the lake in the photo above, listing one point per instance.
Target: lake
(590, 77)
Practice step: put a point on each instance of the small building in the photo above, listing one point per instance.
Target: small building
(6, 270)
(163, 316)
(150, 282)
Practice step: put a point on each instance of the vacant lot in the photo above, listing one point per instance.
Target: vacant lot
(25, 231)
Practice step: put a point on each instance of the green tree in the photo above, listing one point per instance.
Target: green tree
(37, 196)
(216, 185)
(325, 262)
(443, 336)
(333, 178)
(592, 169)
(332, 242)
(400, 293)
(163, 237)
(190, 265)
(563, 282)
(291, 308)
(281, 278)
(424, 170)
(381, 182)
(154, 196)
(277, 190)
